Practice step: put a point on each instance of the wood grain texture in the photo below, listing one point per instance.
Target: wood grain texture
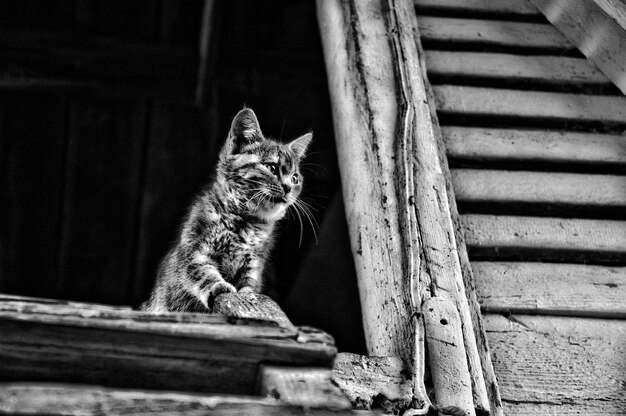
(500, 7)
(373, 382)
(448, 364)
(66, 399)
(492, 35)
(491, 383)
(568, 193)
(32, 160)
(535, 105)
(302, 386)
(251, 305)
(535, 147)
(551, 289)
(560, 366)
(45, 340)
(597, 27)
(544, 238)
(388, 155)
(519, 70)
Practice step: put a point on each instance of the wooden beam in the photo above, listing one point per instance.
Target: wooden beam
(302, 386)
(458, 101)
(486, 7)
(398, 214)
(374, 382)
(513, 237)
(539, 71)
(558, 365)
(535, 147)
(251, 305)
(206, 52)
(597, 27)
(469, 34)
(50, 340)
(67, 399)
(568, 194)
(551, 289)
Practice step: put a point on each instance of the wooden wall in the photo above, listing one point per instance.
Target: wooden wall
(102, 146)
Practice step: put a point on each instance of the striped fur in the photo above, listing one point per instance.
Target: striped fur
(227, 235)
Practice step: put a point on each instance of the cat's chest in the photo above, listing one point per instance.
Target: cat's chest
(234, 242)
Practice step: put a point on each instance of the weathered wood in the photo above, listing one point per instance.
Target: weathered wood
(302, 386)
(65, 399)
(49, 340)
(538, 71)
(251, 305)
(535, 147)
(446, 355)
(492, 35)
(96, 64)
(556, 365)
(509, 8)
(551, 289)
(32, 160)
(597, 27)
(534, 105)
(484, 353)
(567, 194)
(512, 237)
(374, 382)
(383, 123)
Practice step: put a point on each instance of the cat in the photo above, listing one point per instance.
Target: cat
(227, 235)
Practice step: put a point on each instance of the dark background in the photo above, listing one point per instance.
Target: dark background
(103, 145)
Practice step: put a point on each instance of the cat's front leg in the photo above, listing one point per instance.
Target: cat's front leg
(251, 281)
(209, 283)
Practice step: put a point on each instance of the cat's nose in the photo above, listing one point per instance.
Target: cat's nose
(286, 188)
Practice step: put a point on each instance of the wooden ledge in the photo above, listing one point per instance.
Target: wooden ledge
(50, 340)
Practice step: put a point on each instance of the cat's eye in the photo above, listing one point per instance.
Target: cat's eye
(273, 167)
(295, 178)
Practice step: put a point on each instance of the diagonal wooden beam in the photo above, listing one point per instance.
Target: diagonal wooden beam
(399, 206)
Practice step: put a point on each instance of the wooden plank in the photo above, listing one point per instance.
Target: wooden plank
(491, 383)
(32, 157)
(251, 305)
(567, 194)
(54, 341)
(579, 240)
(383, 123)
(551, 289)
(302, 386)
(491, 35)
(96, 64)
(516, 105)
(509, 8)
(105, 154)
(597, 27)
(539, 71)
(66, 399)
(373, 382)
(535, 147)
(556, 365)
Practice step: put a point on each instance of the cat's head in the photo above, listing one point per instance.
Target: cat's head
(266, 172)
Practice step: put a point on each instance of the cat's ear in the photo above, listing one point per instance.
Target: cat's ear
(244, 130)
(299, 145)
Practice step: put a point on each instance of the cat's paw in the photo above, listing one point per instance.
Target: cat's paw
(217, 289)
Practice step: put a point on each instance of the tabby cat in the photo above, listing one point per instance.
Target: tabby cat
(228, 233)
